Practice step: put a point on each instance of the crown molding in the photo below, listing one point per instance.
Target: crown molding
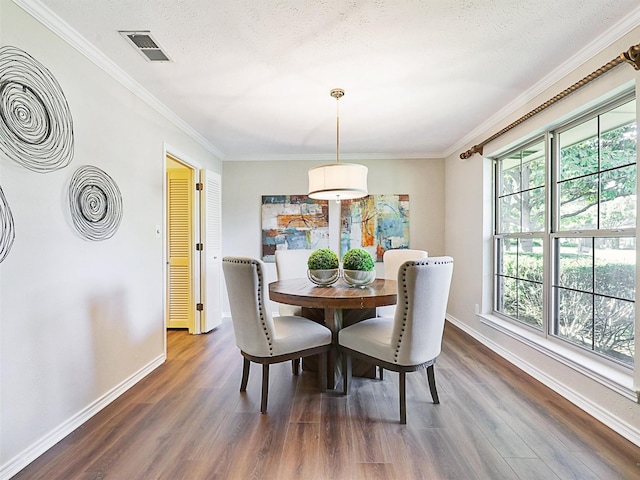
(322, 157)
(44, 15)
(576, 60)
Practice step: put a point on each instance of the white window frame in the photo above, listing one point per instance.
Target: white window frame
(555, 233)
(544, 234)
(612, 374)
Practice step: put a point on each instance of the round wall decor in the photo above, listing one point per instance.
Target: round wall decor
(95, 203)
(36, 128)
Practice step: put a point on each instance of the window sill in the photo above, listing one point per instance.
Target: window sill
(614, 377)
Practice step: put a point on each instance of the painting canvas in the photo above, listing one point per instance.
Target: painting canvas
(293, 222)
(375, 223)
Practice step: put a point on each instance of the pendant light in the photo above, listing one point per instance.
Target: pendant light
(338, 181)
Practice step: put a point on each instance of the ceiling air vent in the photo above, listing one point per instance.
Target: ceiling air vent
(146, 45)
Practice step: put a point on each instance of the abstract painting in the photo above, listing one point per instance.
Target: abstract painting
(375, 223)
(293, 222)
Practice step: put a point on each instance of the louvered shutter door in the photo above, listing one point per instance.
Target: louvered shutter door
(181, 302)
(211, 232)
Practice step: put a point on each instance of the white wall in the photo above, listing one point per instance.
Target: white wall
(246, 182)
(79, 319)
(467, 237)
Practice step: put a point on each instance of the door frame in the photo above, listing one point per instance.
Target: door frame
(195, 267)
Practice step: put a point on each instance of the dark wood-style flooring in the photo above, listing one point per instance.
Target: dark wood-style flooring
(188, 420)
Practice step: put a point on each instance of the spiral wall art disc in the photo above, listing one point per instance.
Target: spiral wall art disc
(95, 203)
(36, 128)
(7, 233)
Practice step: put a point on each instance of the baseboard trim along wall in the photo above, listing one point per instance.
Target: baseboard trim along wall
(28, 455)
(628, 431)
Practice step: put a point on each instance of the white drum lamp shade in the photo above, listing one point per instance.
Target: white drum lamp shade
(338, 181)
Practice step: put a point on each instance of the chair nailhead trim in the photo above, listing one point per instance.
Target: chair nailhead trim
(413, 263)
(404, 314)
(259, 296)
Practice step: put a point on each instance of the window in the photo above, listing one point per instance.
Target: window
(594, 235)
(520, 229)
(565, 258)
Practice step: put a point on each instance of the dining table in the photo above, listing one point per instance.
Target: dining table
(336, 306)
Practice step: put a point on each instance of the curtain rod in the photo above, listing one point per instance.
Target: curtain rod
(631, 56)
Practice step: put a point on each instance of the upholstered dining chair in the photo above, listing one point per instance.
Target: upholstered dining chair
(291, 264)
(262, 338)
(392, 259)
(411, 340)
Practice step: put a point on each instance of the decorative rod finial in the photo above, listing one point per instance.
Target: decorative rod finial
(471, 151)
(632, 56)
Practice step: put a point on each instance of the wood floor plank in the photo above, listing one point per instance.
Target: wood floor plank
(601, 467)
(335, 446)
(367, 430)
(546, 446)
(410, 458)
(295, 463)
(307, 401)
(532, 469)
(443, 455)
(188, 420)
(375, 471)
(498, 433)
(480, 456)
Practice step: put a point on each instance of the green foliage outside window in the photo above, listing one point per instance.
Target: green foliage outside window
(593, 292)
(588, 316)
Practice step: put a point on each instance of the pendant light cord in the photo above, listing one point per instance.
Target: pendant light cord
(337, 93)
(337, 129)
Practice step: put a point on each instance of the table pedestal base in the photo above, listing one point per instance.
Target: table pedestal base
(335, 319)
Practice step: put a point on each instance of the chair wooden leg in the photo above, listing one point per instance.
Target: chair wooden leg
(381, 372)
(265, 387)
(245, 375)
(322, 371)
(346, 373)
(295, 366)
(431, 376)
(403, 398)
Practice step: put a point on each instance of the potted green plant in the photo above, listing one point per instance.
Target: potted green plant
(358, 267)
(323, 267)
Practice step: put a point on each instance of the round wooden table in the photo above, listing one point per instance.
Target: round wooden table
(301, 292)
(335, 306)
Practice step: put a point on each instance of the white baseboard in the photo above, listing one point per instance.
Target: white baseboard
(32, 452)
(628, 431)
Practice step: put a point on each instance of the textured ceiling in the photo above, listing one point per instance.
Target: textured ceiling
(253, 76)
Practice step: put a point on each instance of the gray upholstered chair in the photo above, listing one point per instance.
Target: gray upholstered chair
(291, 264)
(411, 340)
(262, 338)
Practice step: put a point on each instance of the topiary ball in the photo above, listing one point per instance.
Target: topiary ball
(323, 259)
(358, 259)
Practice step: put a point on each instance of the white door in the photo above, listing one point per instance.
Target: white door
(211, 250)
